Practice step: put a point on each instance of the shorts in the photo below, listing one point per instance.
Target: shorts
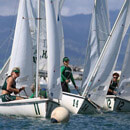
(7, 98)
(65, 87)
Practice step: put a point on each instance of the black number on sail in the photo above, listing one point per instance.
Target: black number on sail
(34, 59)
(44, 54)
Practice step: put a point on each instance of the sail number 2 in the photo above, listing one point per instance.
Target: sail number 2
(75, 103)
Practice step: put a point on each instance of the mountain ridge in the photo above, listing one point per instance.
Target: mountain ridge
(76, 29)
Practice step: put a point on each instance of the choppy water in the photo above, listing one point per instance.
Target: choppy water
(111, 121)
(105, 121)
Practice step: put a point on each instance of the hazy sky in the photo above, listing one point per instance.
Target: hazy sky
(70, 7)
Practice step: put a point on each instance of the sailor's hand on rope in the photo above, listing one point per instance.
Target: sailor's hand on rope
(16, 91)
(76, 87)
(22, 88)
(114, 92)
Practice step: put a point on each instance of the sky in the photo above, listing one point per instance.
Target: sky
(70, 7)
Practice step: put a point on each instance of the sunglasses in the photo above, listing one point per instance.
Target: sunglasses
(17, 72)
(115, 77)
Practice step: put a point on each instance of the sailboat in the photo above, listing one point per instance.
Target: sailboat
(32, 13)
(122, 100)
(22, 56)
(100, 78)
(97, 85)
(99, 31)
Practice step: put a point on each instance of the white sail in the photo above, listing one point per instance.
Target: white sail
(3, 72)
(53, 52)
(100, 79)
(21, 55)
(99, 32)
(32, 13)
(61, 34)
(124, 86)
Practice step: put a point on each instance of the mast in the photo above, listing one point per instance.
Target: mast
(37, 63)
(120, 22)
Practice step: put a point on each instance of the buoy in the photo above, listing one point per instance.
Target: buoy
(60, 115)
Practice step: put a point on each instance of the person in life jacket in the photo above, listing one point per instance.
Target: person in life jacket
(9, 86)
(113, 85)
(66, 75)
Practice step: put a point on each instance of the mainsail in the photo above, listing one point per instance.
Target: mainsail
(58, 6)
(21, 55)
(32, 12)
(99, 32)
(99, 80)
(54, 87)
(124, 86)
(33, 21)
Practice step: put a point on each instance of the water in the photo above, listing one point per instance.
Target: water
(105, 121)
(110, 121)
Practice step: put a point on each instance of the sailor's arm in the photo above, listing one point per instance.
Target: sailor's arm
(62, 76)
(72, 79)
(9, 84)
(112, 91)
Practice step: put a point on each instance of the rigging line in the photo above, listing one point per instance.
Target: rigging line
(8, 45)
(6, 39)
(7, 30)
(8, 48)
(13, 24)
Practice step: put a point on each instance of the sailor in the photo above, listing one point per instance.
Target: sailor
(42, 92)
(10, 86)
(113, 85)
(66, 75)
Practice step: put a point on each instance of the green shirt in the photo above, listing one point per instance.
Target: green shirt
(66, 74)
(42, 93)
(4, 87)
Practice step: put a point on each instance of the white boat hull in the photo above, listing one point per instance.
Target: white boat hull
(122, 105)
(109, 103)
(34, 107)
(77, 104)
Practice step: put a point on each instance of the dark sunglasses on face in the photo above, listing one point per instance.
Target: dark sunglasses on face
(115, 77)
(17, 72)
